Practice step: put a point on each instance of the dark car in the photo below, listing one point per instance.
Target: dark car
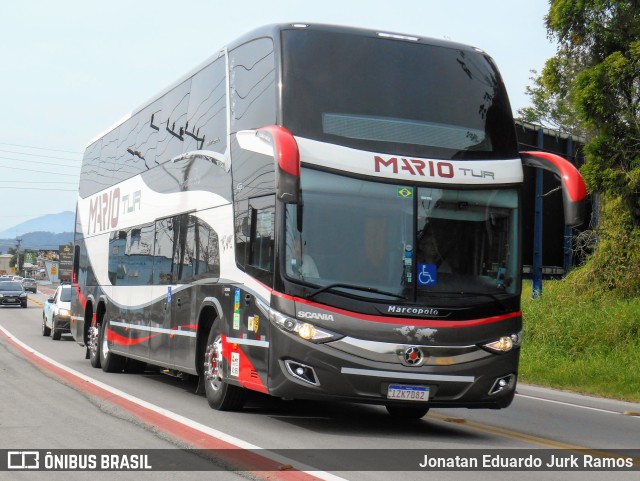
(12, 294)
(30, 284)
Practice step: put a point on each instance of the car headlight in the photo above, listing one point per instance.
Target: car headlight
(64, 312)
(505, 343)
(24, 294)
(302, 329)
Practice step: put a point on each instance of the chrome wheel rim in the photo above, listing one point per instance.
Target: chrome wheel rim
(93, 341)
(213, 364)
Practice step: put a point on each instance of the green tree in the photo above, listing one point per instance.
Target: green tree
(592, 86)
(15, 261)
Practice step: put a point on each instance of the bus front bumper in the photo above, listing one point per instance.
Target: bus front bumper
(322, 371)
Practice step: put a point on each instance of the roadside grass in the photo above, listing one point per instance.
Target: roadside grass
(582, 343)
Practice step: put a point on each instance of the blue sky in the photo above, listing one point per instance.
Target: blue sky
(70, 69)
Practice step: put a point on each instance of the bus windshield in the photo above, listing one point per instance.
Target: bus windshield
(415, 243)
(396, 97)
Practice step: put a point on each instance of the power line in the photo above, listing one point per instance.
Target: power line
(40, 155)
(36, 162)
(43, 172)
(40, 148)
(36, 182)
(27, 215)
(40, 188)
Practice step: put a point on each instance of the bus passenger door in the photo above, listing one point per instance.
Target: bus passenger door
(130, 269)
(182, 316)
(164, 287)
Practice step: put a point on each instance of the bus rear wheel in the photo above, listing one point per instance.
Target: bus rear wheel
(220, 395)
(407, 412)
(93, 346)
(109, 361)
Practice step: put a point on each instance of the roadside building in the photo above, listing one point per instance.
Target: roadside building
(5, 260)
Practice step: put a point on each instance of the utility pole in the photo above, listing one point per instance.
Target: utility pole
(18, 263)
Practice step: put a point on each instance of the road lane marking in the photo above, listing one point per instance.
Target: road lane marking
(506, 433)
(195, 434)
(527, 438)
(619, 413)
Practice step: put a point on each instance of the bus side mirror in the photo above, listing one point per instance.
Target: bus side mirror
(574, 190)
(278, 142)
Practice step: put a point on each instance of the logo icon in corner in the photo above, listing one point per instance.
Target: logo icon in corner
(412, 356)
(23, 460)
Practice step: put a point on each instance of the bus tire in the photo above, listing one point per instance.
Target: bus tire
(93, 346)
(407, 412)
(109, 361)
(220, 395)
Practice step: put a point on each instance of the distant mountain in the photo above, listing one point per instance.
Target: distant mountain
(45, 232)
(37, 241)
(53, 223)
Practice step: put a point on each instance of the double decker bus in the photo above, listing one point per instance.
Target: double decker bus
(316, 212)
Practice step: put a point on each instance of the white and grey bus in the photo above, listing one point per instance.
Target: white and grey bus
(316, 212)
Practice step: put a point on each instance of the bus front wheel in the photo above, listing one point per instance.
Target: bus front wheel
(220, 395)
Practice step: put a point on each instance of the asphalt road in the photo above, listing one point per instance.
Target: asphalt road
(38, 410)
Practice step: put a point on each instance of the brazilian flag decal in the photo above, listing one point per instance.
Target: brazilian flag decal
(405, 192)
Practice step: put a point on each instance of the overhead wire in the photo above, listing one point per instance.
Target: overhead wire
(41, 148)
(40, 155)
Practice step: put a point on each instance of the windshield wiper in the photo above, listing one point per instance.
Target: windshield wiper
(486, 294)
(357, 288)
(493, 297)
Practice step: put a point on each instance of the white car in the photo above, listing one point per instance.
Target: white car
(56, 313)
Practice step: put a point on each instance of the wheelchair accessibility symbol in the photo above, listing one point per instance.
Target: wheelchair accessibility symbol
(427, 274)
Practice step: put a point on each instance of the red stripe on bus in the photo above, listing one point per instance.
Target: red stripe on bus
(120, 340)
(404, 320)
(245, 367)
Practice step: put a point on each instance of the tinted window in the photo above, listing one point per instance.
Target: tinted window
(206, 126)
(253, 88)
(91, 179)
(261, 242)
(443, 244)
(163, 253)
(394, 96)
(171, 121)
(186, 249)
(131, 256)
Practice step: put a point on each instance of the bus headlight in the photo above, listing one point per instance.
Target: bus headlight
(505, 343)
(302, 329)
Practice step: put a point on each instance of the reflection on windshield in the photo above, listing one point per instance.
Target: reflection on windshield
(402, 240)
(353, 232)
(466, 241)
(405, 98)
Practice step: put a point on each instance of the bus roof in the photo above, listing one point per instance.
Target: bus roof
(272, 31)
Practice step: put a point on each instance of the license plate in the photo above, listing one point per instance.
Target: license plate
(408, 393)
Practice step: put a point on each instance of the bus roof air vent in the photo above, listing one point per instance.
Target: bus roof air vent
(396, 36)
